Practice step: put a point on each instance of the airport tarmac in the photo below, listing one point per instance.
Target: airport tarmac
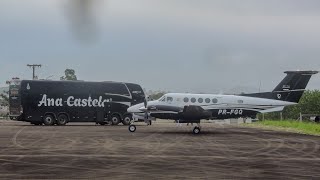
(160, 151)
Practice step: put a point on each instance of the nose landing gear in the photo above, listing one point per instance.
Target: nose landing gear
(196, 130)
(132, 128)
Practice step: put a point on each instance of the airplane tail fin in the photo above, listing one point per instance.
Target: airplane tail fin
(290, 89)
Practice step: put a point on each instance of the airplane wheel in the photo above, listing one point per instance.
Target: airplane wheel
(196, 130)
(132, 128)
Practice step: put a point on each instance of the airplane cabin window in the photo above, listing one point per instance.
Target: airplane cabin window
(169, 99)
(215, 100)
(200, 100)
(207, 100)
(186, 99)
(240, 101)
(193, 100)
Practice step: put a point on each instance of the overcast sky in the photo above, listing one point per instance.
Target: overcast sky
(175, 45)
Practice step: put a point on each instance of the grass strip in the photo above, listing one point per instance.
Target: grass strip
(310, 128)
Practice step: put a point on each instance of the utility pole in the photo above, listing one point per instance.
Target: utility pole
(34, 66)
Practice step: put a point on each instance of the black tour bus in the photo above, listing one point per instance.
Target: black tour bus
(59, 102)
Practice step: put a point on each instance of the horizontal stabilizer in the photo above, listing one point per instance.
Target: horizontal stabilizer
(272, 110)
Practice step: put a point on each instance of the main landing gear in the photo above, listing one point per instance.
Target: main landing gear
(197, 129)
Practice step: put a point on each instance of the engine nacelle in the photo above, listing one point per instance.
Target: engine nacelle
(194, 113)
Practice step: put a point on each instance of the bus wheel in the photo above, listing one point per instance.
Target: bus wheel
(62, 120)
(127, 119)
(115, 119)
(48, 120)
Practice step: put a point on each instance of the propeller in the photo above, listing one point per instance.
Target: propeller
(145, 103)
(146, 114)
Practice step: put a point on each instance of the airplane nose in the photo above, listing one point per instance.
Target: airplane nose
(130, 109)
(143, 109)
(135, 108)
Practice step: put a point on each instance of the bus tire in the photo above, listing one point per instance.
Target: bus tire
(62, 119)
(127, 119)
(115, 119)
(48, 120)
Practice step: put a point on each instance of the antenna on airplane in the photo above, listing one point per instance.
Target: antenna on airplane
(260, 86)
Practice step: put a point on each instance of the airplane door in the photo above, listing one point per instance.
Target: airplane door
(14, 100)
(107, 109)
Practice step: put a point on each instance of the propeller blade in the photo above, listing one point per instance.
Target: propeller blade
(145, 103)
(146, 116)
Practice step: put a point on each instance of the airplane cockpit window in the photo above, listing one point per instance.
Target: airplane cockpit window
(193, 100)
(215, 100)
(200, 100)
(169, 99)
(163, 98)
(207, 100)
(186, 99)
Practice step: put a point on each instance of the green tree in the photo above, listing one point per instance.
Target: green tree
(308, 104)
(70, 74)
(156, 95)
(4, 99)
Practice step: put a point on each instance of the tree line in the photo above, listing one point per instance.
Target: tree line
(69, 74)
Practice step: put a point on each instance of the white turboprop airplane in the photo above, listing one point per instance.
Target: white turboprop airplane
(191, 108)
